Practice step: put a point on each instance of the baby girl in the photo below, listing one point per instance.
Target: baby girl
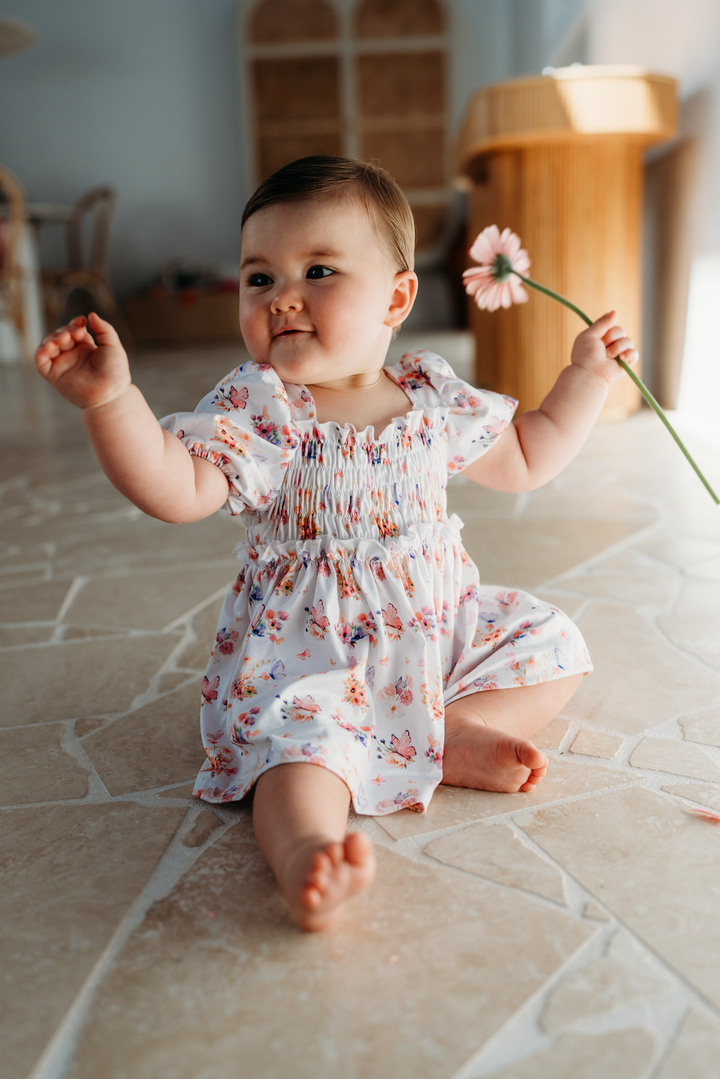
(358, 657)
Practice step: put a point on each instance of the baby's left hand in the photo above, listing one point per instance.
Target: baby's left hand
(596, 348)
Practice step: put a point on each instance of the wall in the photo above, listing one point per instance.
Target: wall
(143, 95)
(682, 41)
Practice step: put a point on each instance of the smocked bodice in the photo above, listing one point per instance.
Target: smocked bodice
(346, 484)
(291, 478)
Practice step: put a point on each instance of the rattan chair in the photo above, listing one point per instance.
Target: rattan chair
(87, 263)
(12, 295)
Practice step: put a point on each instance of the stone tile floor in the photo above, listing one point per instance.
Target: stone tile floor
(568, 933)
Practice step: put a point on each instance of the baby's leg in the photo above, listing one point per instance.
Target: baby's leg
(300, 817)
(486, 734)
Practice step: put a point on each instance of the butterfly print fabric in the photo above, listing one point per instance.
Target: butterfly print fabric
(356, 615)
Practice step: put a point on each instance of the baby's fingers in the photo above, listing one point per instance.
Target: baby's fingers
(601, 326)
(621, 346)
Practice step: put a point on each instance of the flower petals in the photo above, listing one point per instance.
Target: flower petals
(481, 282)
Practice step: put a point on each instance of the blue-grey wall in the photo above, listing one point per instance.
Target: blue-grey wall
(144, 94)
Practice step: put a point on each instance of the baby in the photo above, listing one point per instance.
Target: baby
(358, 657)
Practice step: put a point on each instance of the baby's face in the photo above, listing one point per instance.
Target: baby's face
(318, 294)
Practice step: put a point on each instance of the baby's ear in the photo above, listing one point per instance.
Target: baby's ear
(405, 288)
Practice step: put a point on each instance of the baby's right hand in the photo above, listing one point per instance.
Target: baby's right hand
(87, 374)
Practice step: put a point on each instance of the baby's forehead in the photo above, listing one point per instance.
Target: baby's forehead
(334, 215)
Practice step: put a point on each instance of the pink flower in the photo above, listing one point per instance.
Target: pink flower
(493, 283)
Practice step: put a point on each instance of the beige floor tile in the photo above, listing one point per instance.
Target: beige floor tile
(12, 579)
(596, 744)
(622, 1054)
(696, 1051)
(63, 527)
(146, 600)
(704, 728)
(564, 500)
(85, 678)
(654, 586)
(17, 636)
(623, 976)
(515, 553)
(497, 854)
(146, 542)
(204, 827)
(152, 747)
(458, 805)
(70, 875)
(183, 791)
(205, 623)
(36, 554)
(85, 726)
(172, 679)
(315, 1005)
(551, 736)
(664, 755)
(639, 680)
(34, 767)
(570, 605)
(91, 633)
(594, 910)
(694, 626)
(696, 792)
(707, 570)
(678, 550)
(653, 865)
(33, 602)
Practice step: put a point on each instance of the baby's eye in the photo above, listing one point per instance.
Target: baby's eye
(259, 280)
(317, 272)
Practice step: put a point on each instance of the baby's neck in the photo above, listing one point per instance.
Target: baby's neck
(370, 406)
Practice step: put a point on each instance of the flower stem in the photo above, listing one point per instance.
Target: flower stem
(628, 371)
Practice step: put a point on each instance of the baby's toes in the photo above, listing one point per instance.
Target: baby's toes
(531, 757)
(358, 848)
(319, 872)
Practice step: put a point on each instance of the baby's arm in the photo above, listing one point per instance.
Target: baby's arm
(541, 443)
(148, 465)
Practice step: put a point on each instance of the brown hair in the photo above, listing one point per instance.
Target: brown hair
(327, 177)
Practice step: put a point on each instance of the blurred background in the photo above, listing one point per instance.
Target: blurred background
(132, 134)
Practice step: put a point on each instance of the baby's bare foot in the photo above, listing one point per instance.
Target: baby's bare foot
(320, 877)
(490, 760)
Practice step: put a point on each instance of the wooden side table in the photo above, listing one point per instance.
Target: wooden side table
(558, 159)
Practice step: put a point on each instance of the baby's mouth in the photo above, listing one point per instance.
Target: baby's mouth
(291, 332)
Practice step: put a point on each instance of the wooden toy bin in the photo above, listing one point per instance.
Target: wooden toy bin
(558, 158)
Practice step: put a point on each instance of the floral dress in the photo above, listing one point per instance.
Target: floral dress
(357, 615)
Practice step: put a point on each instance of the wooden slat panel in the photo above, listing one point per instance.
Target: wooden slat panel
(297, 89)
(276, 152)
(414, 158)
(275, 21)
(398, 18)
(401, 84)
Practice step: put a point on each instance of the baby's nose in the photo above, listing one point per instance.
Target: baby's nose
(286, 300)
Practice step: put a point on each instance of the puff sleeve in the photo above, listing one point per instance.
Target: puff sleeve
(474, 419)
(244, 427)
